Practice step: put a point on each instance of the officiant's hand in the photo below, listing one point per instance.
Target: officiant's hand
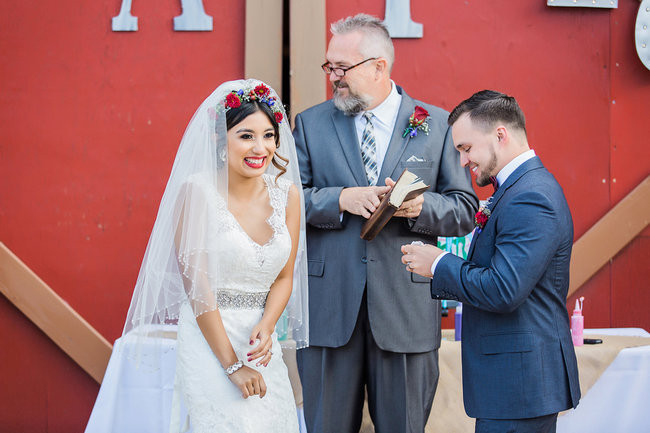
(249, 381)
(419, 258)
(361, 200)
(409, 208)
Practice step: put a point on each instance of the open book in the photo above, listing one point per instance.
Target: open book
(407, 187)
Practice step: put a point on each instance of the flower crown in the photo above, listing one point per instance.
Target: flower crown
(260, 93)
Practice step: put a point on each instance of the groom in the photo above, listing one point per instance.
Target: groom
(370, 321)
(519, 366)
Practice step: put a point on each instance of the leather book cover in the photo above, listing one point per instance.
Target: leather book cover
(407, 187)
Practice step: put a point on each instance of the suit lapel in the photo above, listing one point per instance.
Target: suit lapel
(397, 142)
(344, 126)
(531, 164)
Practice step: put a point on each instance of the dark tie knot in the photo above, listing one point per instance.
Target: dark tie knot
(494, 182)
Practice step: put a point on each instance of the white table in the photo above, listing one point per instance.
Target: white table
(139, 400)
(620, 399)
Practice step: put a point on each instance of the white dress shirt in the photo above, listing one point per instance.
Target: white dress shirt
(385, 116)
(502, 176)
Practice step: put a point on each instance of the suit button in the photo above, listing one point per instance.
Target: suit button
(364, 259)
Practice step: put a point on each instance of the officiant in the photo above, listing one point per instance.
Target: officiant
(373, 326)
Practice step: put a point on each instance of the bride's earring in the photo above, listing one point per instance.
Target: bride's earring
(222, 154)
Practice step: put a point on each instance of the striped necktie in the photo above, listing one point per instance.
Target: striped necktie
(369, 150)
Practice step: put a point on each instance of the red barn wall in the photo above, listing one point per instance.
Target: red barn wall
(91, 119)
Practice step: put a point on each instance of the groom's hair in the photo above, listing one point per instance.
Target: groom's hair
(376, 42)
(488, 107)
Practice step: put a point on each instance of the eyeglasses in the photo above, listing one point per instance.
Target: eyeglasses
(340, 72)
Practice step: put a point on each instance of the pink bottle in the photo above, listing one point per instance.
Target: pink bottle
(577, 323)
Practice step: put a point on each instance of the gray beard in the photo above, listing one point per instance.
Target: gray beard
(352, 105)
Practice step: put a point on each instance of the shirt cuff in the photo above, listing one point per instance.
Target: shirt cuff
(435, 262)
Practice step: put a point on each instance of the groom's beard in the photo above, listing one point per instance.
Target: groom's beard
(484, 178)
(353, 103)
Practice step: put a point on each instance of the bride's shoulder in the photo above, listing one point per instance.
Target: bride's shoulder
(203, 185)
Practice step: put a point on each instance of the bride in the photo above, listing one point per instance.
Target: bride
(225, 257)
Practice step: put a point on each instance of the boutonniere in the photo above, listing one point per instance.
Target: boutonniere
(417, 121)
(482, 216)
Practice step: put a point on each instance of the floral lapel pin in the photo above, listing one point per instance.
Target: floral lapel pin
(482, 216)
(417, 121)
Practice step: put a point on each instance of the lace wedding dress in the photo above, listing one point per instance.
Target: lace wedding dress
(214, 403)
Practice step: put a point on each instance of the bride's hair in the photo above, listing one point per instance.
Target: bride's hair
(236, 115)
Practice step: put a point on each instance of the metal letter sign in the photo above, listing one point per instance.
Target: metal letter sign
(399, 22)
(193, 18)
(125, 22)
(609, 4)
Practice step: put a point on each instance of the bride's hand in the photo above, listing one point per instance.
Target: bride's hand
(249, 381)
(261, 332)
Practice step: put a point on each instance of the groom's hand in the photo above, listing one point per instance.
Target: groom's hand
(419, 258)
(361, 200)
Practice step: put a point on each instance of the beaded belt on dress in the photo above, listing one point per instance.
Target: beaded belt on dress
(237, 300)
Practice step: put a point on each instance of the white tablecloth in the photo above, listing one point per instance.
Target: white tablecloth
(619, 400)
(138, 400)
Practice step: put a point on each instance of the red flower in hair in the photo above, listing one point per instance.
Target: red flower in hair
(232, 100)
(278, 116)
(261, 90)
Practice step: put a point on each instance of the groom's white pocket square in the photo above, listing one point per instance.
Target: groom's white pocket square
(414, 158)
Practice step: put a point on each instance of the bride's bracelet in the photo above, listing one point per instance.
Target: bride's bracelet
(236, 366)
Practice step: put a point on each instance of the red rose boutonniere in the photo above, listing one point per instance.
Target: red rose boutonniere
(482, 216)
(417, 121)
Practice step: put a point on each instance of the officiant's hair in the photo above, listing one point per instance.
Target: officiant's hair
(377, 41)
(236, 115)
(488, 107)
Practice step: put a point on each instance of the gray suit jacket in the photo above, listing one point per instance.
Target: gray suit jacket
(518, 358)
(341, 264)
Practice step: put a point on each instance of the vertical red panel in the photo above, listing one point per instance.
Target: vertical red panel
(630, 276)
(630, 120)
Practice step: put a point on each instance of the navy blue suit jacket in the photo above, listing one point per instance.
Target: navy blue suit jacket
(518, 358)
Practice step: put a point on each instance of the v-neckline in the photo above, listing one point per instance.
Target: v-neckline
(267, 220)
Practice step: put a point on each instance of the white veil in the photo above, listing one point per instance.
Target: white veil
(174, 269)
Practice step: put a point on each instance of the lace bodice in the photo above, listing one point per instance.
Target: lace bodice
(245, 265)
(241, 279)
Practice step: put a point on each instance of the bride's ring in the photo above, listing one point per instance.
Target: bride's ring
(270, 353)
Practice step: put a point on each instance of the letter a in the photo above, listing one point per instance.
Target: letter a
(399, 22)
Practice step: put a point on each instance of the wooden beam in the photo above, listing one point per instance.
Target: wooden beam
(308, 43)
(263, 42)
(53, 315)
(609, 235)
